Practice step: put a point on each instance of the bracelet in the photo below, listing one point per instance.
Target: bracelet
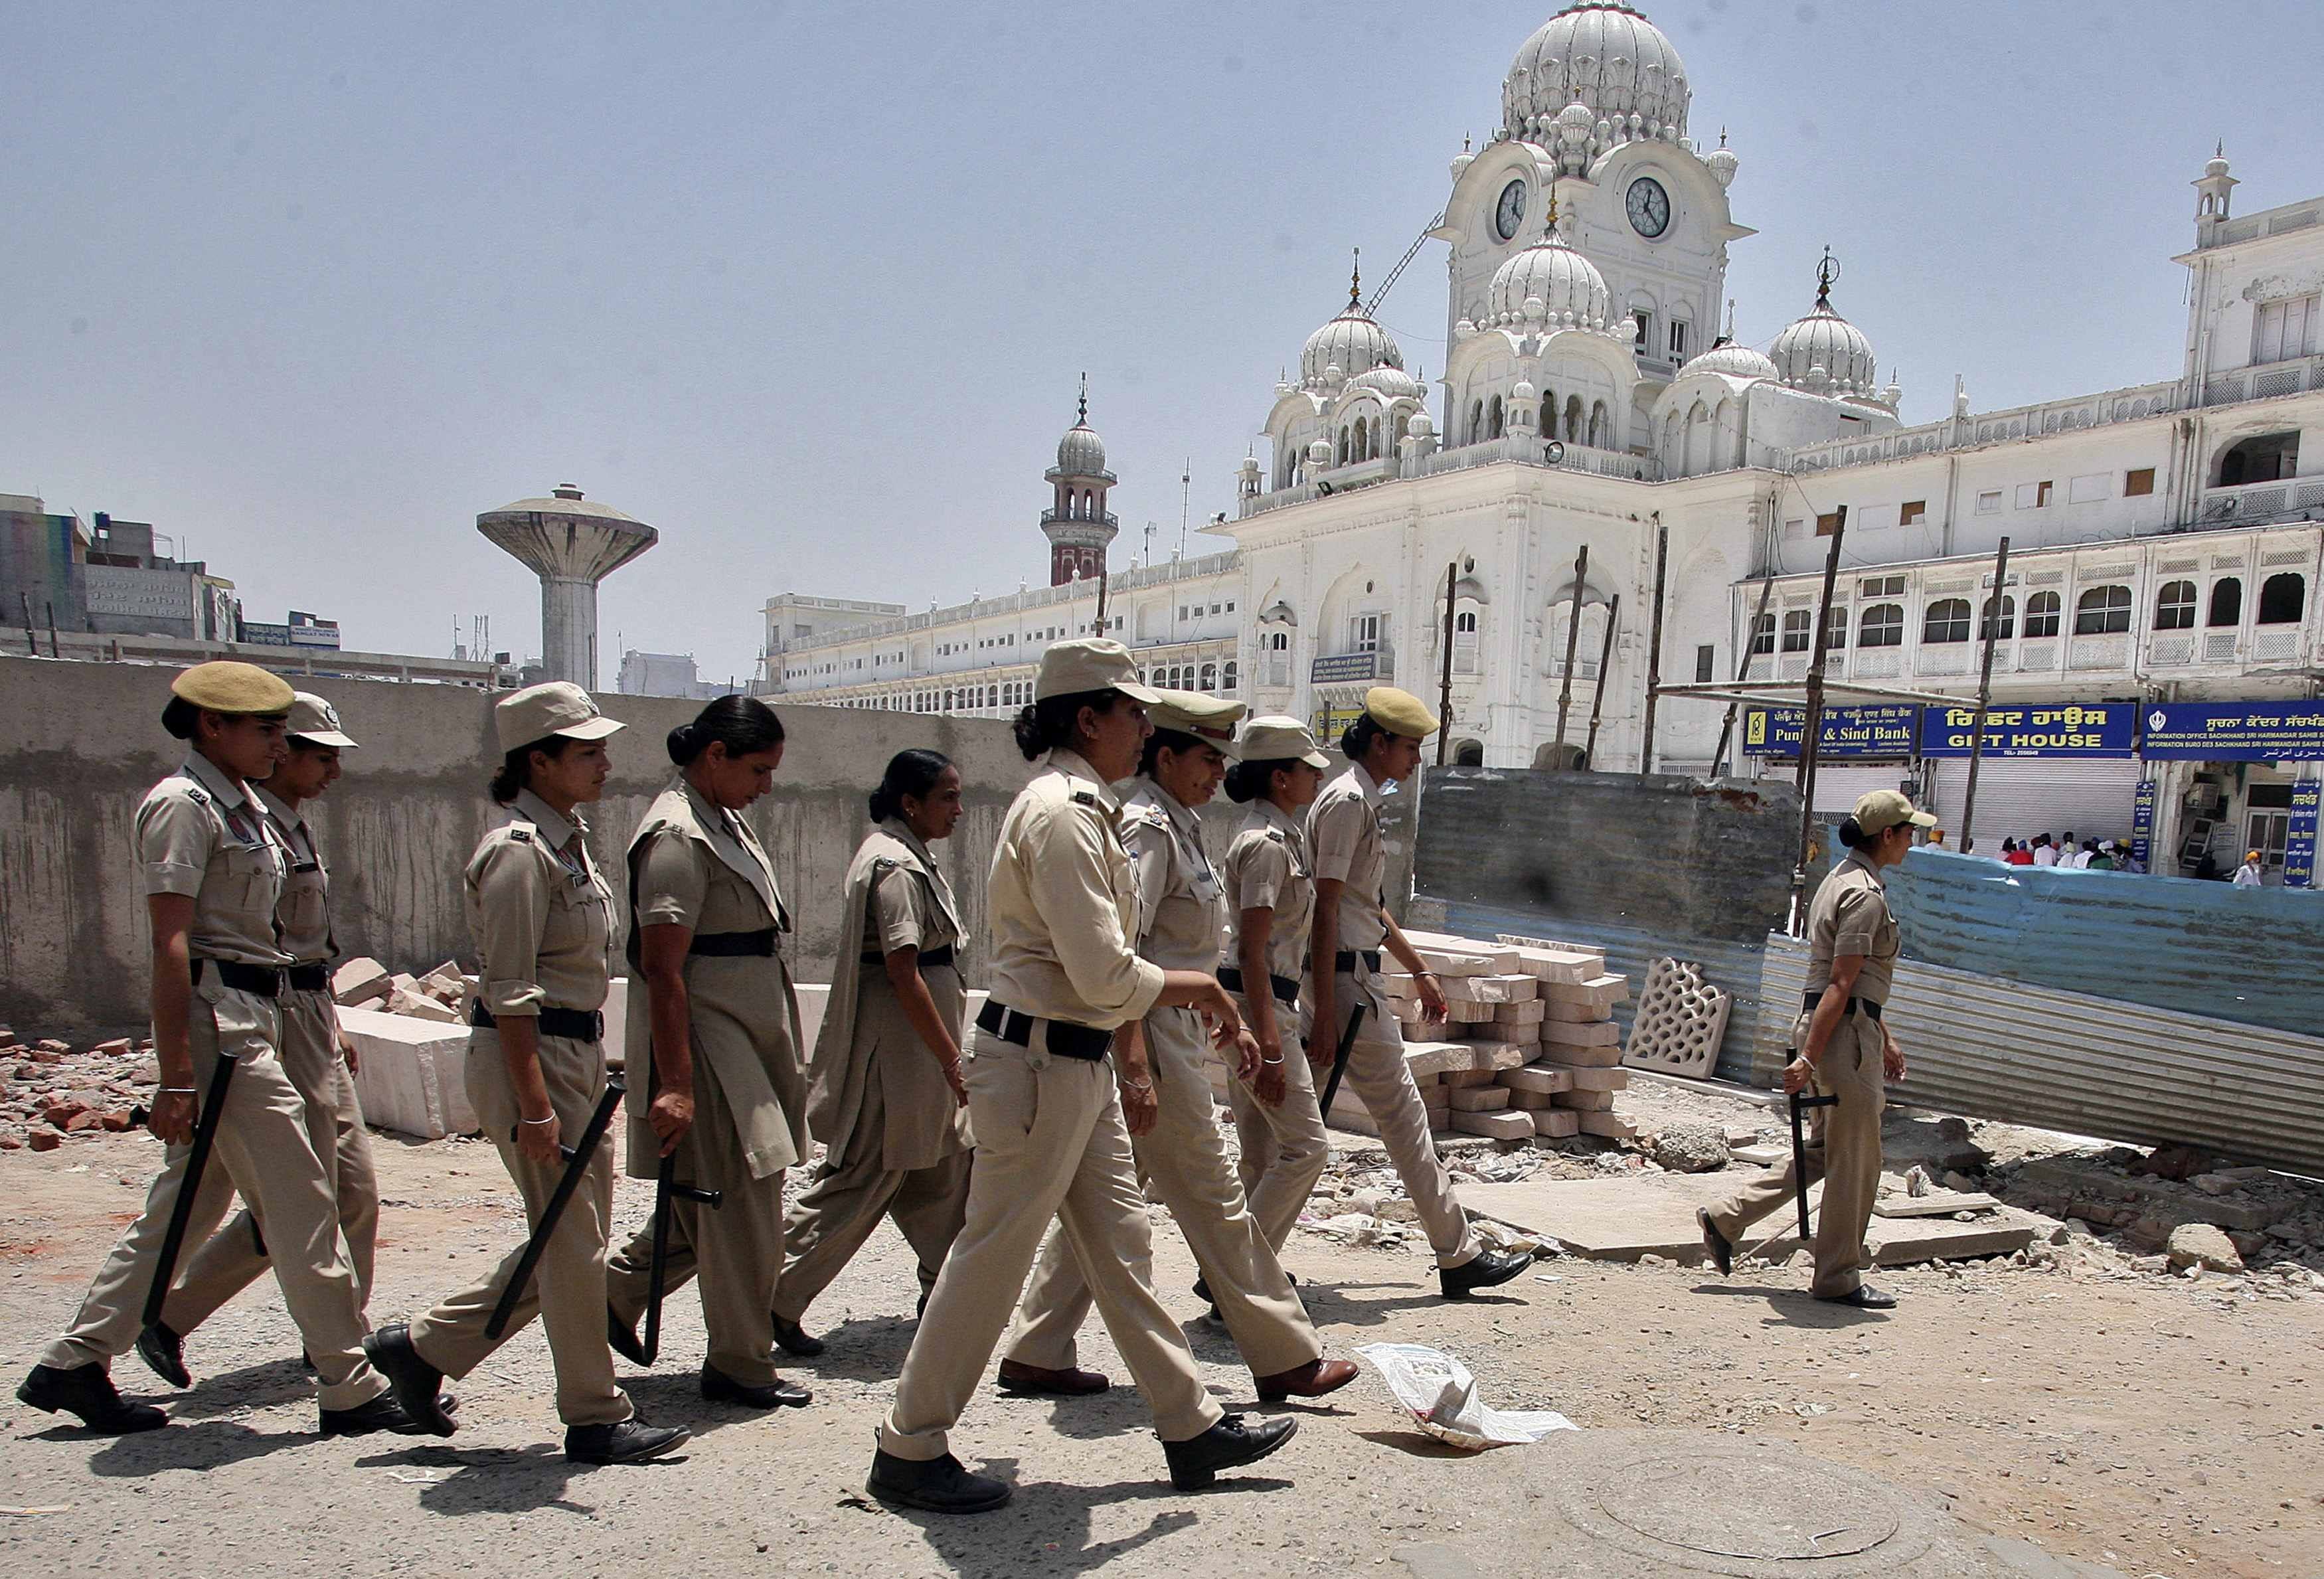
(1138, 1085)
(549, 1120)
(177, 1090)
(1431, 975)
(1271, 1063)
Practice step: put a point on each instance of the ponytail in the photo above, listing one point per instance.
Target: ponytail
(743, 725)
(1253, 781)
(909, 772)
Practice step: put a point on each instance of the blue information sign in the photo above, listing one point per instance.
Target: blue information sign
(2049, 729)
(2141, 825)
(2234, 731)
(1882, 730)
(2300, 841)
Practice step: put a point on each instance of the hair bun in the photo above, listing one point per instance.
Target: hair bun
(681, 744)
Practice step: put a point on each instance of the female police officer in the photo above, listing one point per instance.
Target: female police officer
(729, 1103)
(1844, 1048)
(1052, 1140)
(541, 917)
(214, 871)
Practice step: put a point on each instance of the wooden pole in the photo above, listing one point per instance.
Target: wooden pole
(1655, 645)
(1743, 671)
(1572, 637)
(1104, 578)
(1445, 687)
(1605, 662)
(1811, 730)
(1991, 615)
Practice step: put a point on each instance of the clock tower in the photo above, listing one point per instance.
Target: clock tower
(1078, 524)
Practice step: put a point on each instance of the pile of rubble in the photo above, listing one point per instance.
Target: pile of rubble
(441, 995)
(50, 1093)
(2175, 1209)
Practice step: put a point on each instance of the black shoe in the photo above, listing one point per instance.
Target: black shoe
(1041, 1381)
(1722, 1254)
(722, 1388)
(622, 1338)
(1486, 1269)
(623, 1442)
(793, 1339)
(1202, 1291)
(86, 1391)
(938, 1485)
(165, 1353)
(380, 1414)
(417, 1385)
(1196, 1464)
(1863, 1296)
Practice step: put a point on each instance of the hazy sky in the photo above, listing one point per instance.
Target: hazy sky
(809, 286)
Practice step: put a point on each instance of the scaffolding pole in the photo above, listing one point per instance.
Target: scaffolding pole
(1992, 616)
(1572, 636)
(1743, 671)
(1605, 662)
(1812, 728)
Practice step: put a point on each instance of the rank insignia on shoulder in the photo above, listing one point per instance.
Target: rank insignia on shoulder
(1084, 797)
(194, 793)
(522, 835)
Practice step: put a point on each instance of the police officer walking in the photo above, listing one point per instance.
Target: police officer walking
(315, 1054)
(1352, 926)
(1047, 1090)
(1844, 1050)
(541, 916)
(1172, 1120)
(214, 871)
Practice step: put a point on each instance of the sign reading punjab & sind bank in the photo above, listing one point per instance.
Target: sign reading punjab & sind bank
(2064, 729)
(1881, 730)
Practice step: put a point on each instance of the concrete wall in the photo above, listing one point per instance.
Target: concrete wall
(81, 743)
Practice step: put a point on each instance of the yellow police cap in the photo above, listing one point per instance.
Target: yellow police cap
(1399, 713)
(224, 686)
(1883, 809)
(1089, 663)
(1209, 719)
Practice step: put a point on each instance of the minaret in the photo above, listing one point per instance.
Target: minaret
(1078, 524)
(571, 545)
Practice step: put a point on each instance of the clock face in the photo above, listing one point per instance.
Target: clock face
(1509, 212)
(1649, 207)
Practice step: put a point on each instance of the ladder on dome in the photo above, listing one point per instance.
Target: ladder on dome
(1371, 307)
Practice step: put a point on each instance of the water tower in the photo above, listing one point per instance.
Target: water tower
(571, 544)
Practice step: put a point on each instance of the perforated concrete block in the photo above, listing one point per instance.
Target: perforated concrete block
(1680, 1021)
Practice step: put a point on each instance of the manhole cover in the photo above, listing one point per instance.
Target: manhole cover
(1715, 1505)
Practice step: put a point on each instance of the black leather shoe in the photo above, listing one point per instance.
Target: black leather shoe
(1722, 1254)
(417, 1386)
(380, 1414)
(623, 1442)
(165, 1353)
(1486, 1269)
(1863, 1296)
(1196, 1464)
(794, 1339)
(938, 1485)
(722, 1388)
(623, 1339)
(86, 1391)
(1203, 1288)
(1040, 1379)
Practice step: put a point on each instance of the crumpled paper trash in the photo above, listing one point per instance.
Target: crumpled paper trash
(1443, 1398)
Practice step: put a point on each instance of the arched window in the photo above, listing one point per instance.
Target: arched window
(1493, 419)
(2102, 611)
(2174, 610)
(2282, 599)
(2041, 614)
(2227, 602)
(1601, 425)
(1373, 448)
(1210, 677)
(2264, 459)
(1464, 642)
(1763, 633)
(1796, 626)
(1475, 420)
(1228, 676)
(2000, 621)
(1883, 625)
(1574, 428)
(1341, 452)
(1403, 428)
(1946, 621)
(1278, 641)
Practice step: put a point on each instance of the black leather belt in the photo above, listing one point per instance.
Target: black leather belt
(1866, 1004)
(580, 1025)
(1285, 990)
(309, 978)
(929, 957)
(734, 944)
(1345, 960)
(260, 981)
(1066, 1039)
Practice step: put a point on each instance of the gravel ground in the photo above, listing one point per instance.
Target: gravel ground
(2156, 1426)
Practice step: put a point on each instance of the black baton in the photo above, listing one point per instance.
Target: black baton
(1800, 1152)
(667, 1192)
(577, 1159)
(1340, 1058)
(189, 1184)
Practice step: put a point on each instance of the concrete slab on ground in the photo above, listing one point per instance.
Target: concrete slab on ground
(1623, 1219)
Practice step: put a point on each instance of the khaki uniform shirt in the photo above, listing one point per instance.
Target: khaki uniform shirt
(1850, 916)
(1268, 868)
(303, 918)
(1181, 904)
(1063, 903)
(200, 835)
(1344, 832)
(540, 913)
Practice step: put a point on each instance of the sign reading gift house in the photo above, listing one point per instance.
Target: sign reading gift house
(2050, 729)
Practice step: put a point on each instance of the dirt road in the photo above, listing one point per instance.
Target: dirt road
(2159, 1429)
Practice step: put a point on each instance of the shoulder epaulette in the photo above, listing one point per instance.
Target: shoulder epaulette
(1278, 836)
(520, 834)
(194, 793)
(1084, 797)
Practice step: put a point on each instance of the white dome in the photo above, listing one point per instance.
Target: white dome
(1389, 381)
(1572, 291)
(1825, 340)
(1081, 453)
(1733, 360)
(1601, 54)
(1352, 343)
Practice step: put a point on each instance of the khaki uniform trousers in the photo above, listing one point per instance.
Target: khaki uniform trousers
(737, 1247)
(236, 1256)
(1050, 1145)
(1284, 1148)
(264, 1150)
(1379, 1076)
(568, 1283)
(1183, 1163)
(1842, 1150)
(836, 1214)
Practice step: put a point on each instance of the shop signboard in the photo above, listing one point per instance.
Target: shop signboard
(2300, 841)
(2049, 729)
(1875, 730)
(2141, 825)
(2234, 731)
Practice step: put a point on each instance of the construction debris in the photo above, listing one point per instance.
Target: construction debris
(50, 1093)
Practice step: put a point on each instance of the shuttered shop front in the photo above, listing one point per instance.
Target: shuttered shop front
(2019, 797)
